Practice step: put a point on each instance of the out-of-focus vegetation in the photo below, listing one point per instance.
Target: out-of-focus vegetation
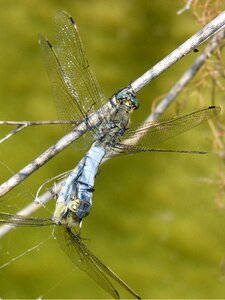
(155, 220)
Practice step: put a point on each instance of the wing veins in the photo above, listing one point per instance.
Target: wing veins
(151, 133)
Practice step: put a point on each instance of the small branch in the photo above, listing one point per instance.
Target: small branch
(200, 37)
(24, 124)
(186, 7)
(32, 123)
(11, 133)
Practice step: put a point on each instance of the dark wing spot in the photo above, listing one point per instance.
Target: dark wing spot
(49, 44)
(72, 20)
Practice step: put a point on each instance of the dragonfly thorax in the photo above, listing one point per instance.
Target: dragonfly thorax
(108, 135)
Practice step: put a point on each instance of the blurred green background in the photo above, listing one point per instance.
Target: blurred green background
(154, 222)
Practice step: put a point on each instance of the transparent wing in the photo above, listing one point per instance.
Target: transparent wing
(18, 220)
(66, 105)
(78, 76)
(72, 245)
(75, 88)
(143, 137)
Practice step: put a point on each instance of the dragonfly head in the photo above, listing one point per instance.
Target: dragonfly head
(126, 99)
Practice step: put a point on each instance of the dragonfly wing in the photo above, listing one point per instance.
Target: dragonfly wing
(75, 88)
(80, 80)
(143, 137)
(127, 149)
(66, 106)
(85, 260)
(18, 220)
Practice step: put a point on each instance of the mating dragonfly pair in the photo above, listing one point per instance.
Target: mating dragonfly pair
(78, 97)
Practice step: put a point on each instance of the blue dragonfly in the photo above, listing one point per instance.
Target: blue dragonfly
(79, 98)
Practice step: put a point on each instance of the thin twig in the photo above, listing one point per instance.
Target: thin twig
(31, 123)
(186, 7)
(12, 132)
(24, 124)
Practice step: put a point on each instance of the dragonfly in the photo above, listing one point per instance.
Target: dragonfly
(71, 243)
(79, 98)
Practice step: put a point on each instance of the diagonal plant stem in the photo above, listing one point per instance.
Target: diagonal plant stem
(197, 39)
(193, 42)
(19, 128)
(160, 108)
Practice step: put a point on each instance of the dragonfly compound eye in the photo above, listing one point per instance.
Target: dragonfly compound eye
(135, 102)
(127, 98)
